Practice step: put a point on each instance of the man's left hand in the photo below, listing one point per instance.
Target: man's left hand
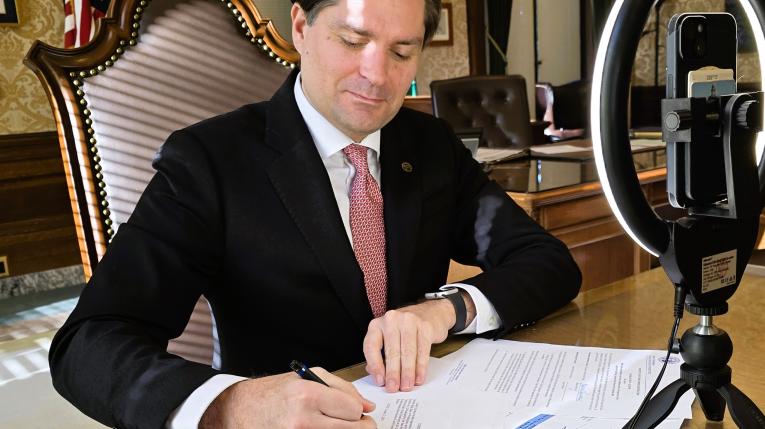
(405, 335)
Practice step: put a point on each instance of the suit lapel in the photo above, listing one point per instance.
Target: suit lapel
(302, 183)
(401, 190)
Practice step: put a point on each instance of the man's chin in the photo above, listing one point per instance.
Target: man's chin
(363, 120)
(362, 124)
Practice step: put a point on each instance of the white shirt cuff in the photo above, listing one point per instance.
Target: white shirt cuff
(190, 412)
(486, 317)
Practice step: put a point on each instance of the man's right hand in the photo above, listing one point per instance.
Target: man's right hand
(287, 401)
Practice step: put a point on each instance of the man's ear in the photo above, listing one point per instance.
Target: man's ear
(299, 24)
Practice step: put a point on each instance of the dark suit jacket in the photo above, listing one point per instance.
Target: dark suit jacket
(241, 210)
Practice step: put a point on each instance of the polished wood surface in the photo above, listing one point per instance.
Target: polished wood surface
(422, 103)
(36, 225)
(636, 313)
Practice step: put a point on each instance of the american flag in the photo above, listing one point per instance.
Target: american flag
(79, 20)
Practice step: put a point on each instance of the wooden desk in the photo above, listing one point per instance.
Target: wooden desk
(580, 217)
(636, 313)
(422, 103)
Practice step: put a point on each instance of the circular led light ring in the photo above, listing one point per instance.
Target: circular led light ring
(595, 109)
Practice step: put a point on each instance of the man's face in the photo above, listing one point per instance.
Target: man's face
(358, 59)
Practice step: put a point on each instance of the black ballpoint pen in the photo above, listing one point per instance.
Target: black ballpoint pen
(305, 373)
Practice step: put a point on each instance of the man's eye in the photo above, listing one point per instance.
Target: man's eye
(400, 56)
(351, 43)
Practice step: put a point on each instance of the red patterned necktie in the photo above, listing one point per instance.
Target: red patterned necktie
(368, 228)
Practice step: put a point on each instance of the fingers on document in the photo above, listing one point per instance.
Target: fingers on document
(373, 344)
(423, 357)
(406, 355)
(392, 347)
(408, 359)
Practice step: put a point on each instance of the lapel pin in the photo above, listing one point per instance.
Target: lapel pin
(407, 167)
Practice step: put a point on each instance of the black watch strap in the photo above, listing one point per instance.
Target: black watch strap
(459, 308)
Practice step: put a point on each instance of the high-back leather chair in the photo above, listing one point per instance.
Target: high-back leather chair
(151, 68)
(497, 104)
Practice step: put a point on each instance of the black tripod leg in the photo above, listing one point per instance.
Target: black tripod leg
(743, 411)
(712, 403)
(659, 407)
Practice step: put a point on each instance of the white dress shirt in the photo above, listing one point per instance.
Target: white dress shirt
(330, 143)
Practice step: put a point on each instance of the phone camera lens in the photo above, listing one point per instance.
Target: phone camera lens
(700, 48)
(700, 28)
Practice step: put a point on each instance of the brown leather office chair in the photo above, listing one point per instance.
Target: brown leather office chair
(152, 67)
(497, 104)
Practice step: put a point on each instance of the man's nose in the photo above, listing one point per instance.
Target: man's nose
(374, 65)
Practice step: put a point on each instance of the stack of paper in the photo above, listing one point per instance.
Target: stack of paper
(509, 384)
(560, 149)
(494, 155)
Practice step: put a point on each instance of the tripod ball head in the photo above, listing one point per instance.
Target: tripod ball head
(706, 351)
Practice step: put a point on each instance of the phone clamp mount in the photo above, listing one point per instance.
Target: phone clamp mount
(705, 252)
(702, 121)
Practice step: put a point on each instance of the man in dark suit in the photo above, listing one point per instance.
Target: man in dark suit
(314, 224)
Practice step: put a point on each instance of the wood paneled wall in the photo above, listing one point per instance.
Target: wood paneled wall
(36, 225)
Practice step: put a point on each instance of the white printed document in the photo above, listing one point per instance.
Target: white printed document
(558, 149)
(492, 155)
(509, 384)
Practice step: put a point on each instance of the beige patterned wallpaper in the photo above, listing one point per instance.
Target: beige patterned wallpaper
(441, 62)
(23, 105)
(643, 71)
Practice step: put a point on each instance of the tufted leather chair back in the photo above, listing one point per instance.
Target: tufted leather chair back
(497, 104)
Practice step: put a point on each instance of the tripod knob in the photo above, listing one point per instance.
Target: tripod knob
(707, 311)
(678, 120)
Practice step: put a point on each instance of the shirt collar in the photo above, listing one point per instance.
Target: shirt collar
(327, 138)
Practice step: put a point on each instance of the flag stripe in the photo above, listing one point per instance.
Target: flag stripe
(79, 20)
(69, 24)
(86, 18)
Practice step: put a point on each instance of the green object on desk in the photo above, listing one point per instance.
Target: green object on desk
(413, 88)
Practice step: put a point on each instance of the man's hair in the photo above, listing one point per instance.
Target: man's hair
(432, 13)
